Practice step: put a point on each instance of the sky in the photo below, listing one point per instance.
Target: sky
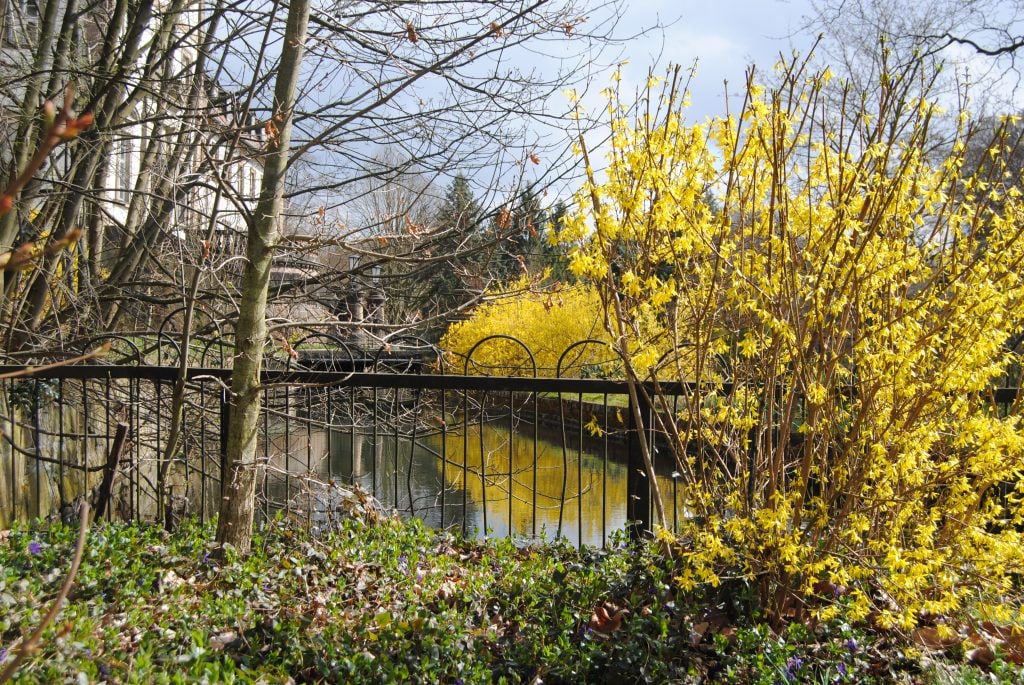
(724, 36)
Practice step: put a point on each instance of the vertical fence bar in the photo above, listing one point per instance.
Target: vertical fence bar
(225, 418)
(579, 473)
(310, 500)
(638, 486)
(483, 461)
(37, 437)
(160, 484)
(329, 421)
(444, 450)
(465, 459)
(184, 440)
(265, 487)
(136, 470)
(85, 420)
(60, 443)
(8, 387)
(675, 473)
(511, 448)
(287, 448)
(203, 458)
(373, 457)
(533, 486)
(412, 453)
(604, 478)
(352, 435)
(395, 417)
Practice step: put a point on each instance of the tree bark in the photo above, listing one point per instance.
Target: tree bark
(240, 468)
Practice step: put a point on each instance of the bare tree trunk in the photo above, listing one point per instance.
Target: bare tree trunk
(238, 487)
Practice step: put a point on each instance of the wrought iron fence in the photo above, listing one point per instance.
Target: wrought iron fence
(514, 454)
(509, 455)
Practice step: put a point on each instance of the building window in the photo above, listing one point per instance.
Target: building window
(20, 22)
(123, 178)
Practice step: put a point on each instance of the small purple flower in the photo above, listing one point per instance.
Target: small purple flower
(842, 669)
(851, 645)
(34, 547)
(403, 563)
(793, 665)
(3, 655)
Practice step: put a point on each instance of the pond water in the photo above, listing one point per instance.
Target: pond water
(483, 478)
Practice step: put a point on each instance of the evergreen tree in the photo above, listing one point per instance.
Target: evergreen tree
(461, 275)
(519, 230)
(460, 211)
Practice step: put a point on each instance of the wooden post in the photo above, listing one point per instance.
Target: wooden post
(113, 459)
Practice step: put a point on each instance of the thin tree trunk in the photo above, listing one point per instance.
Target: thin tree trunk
(238, 485)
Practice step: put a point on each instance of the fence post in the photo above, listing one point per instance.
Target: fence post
(113, 461)
(225, 417)
(638, 487)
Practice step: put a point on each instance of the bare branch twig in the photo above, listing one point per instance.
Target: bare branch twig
(29, 645)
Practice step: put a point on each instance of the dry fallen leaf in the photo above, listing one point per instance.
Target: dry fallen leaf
(980, 656)
(930, 638)
(1009, 639)
(606, 619)
(171, 580)
(218, 642)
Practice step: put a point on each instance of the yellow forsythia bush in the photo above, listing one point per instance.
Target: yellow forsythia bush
(547, 321)
(844, 300)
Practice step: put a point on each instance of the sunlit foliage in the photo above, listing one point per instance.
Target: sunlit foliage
(844, 302)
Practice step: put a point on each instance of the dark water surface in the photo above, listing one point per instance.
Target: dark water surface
(465, 477)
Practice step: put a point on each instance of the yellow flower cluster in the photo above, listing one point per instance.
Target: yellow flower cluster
(843, 305)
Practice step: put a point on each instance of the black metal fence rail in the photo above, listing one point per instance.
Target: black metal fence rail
(512, 455)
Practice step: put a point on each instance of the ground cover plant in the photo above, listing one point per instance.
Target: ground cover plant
(387, 601)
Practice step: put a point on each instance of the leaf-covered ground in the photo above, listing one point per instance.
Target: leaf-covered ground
(395, 602)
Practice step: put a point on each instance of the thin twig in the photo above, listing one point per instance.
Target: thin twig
(29, 645)
(30, 370)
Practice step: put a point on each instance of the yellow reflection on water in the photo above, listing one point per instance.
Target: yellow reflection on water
(580, 494)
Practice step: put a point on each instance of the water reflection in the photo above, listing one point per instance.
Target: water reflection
(464, 477)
